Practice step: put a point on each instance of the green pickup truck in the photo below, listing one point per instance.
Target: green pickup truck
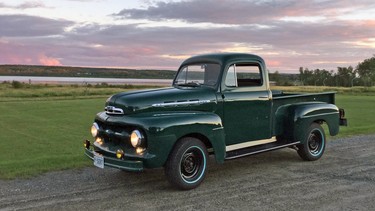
(219, 105)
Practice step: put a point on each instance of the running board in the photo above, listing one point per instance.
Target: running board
(256, 150)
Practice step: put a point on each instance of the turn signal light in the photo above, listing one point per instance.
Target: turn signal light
(120, 154)
(99, 141)
(139, 150)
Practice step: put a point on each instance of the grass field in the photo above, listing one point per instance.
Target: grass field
(360, 113)
(39, 136)
(44, 132)
(8, 92)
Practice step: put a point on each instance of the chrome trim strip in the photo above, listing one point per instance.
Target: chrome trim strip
(249, 144)
(263, 150)
(122, 167)
(113, 110)
(173, 114)
(181, 103)
(316, 115)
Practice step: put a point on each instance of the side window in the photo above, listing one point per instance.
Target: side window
(231, 79)
(244, 75)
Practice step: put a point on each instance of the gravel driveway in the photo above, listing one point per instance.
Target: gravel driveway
(343, 179)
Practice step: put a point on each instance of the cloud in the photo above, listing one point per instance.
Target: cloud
(242, 11)
(31, 4)
(49, 61)
(28, 53)
(284, 44)
(30, 26)
(25, 5)
(213, 11)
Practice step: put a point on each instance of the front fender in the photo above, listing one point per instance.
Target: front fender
(165, 129)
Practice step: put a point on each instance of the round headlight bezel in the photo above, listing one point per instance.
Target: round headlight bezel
(136, 138)
(94, 130)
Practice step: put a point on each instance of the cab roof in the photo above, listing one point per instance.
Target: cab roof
(223, 58)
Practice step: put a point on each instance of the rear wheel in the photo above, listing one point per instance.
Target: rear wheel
(313, 145)
(186, 165)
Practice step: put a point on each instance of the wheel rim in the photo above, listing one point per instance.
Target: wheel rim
(192, 165)
(315, 142)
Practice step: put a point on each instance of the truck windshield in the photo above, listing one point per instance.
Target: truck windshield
(197, 75)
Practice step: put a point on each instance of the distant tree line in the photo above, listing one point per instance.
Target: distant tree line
(282, 79)
(362, 75)
(65, 71)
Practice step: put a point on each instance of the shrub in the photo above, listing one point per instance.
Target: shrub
(17, 84)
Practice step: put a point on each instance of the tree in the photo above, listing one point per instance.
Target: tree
(281, 79)
(326, 77)
(275, 76)
(306, 76)
(345, 76)
(366, 71)
(315, 77)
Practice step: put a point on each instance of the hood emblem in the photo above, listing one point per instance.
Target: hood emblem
(192, 102)
(113, 110)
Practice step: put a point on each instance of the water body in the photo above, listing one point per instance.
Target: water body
(83, 81)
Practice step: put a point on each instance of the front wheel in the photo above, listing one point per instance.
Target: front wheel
(313, 144)
(186, 165)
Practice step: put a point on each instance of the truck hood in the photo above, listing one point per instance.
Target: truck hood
(165, 99)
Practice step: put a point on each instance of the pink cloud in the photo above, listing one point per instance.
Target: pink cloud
(49, 61)
(273, 63)
(8, 55)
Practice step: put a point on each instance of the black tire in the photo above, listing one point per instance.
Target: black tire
(314, 143)
(186, 165)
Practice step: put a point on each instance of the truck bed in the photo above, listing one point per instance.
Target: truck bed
(282, 98)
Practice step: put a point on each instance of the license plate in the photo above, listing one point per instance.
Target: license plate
(98, 160)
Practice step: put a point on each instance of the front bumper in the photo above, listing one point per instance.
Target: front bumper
(123, 164)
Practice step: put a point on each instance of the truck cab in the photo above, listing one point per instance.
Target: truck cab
(219, 105)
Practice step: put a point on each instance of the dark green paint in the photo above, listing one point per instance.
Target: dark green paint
(219, 116)
(246, 115)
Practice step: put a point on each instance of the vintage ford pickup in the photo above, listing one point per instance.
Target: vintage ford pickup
(220, 105)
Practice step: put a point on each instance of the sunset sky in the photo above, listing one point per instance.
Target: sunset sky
(155, 34)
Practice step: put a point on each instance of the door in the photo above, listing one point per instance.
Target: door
(247, 104)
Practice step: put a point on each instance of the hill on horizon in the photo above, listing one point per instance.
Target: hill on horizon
(67, 71)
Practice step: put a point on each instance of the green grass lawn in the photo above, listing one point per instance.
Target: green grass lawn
(40, 136)
(360, 113)
(47, 134)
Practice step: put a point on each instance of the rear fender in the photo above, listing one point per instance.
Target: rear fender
(298, 117)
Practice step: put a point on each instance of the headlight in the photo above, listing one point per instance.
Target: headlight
(94, 129)
(136, 138)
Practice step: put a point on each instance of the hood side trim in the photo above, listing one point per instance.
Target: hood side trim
(180, 103)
